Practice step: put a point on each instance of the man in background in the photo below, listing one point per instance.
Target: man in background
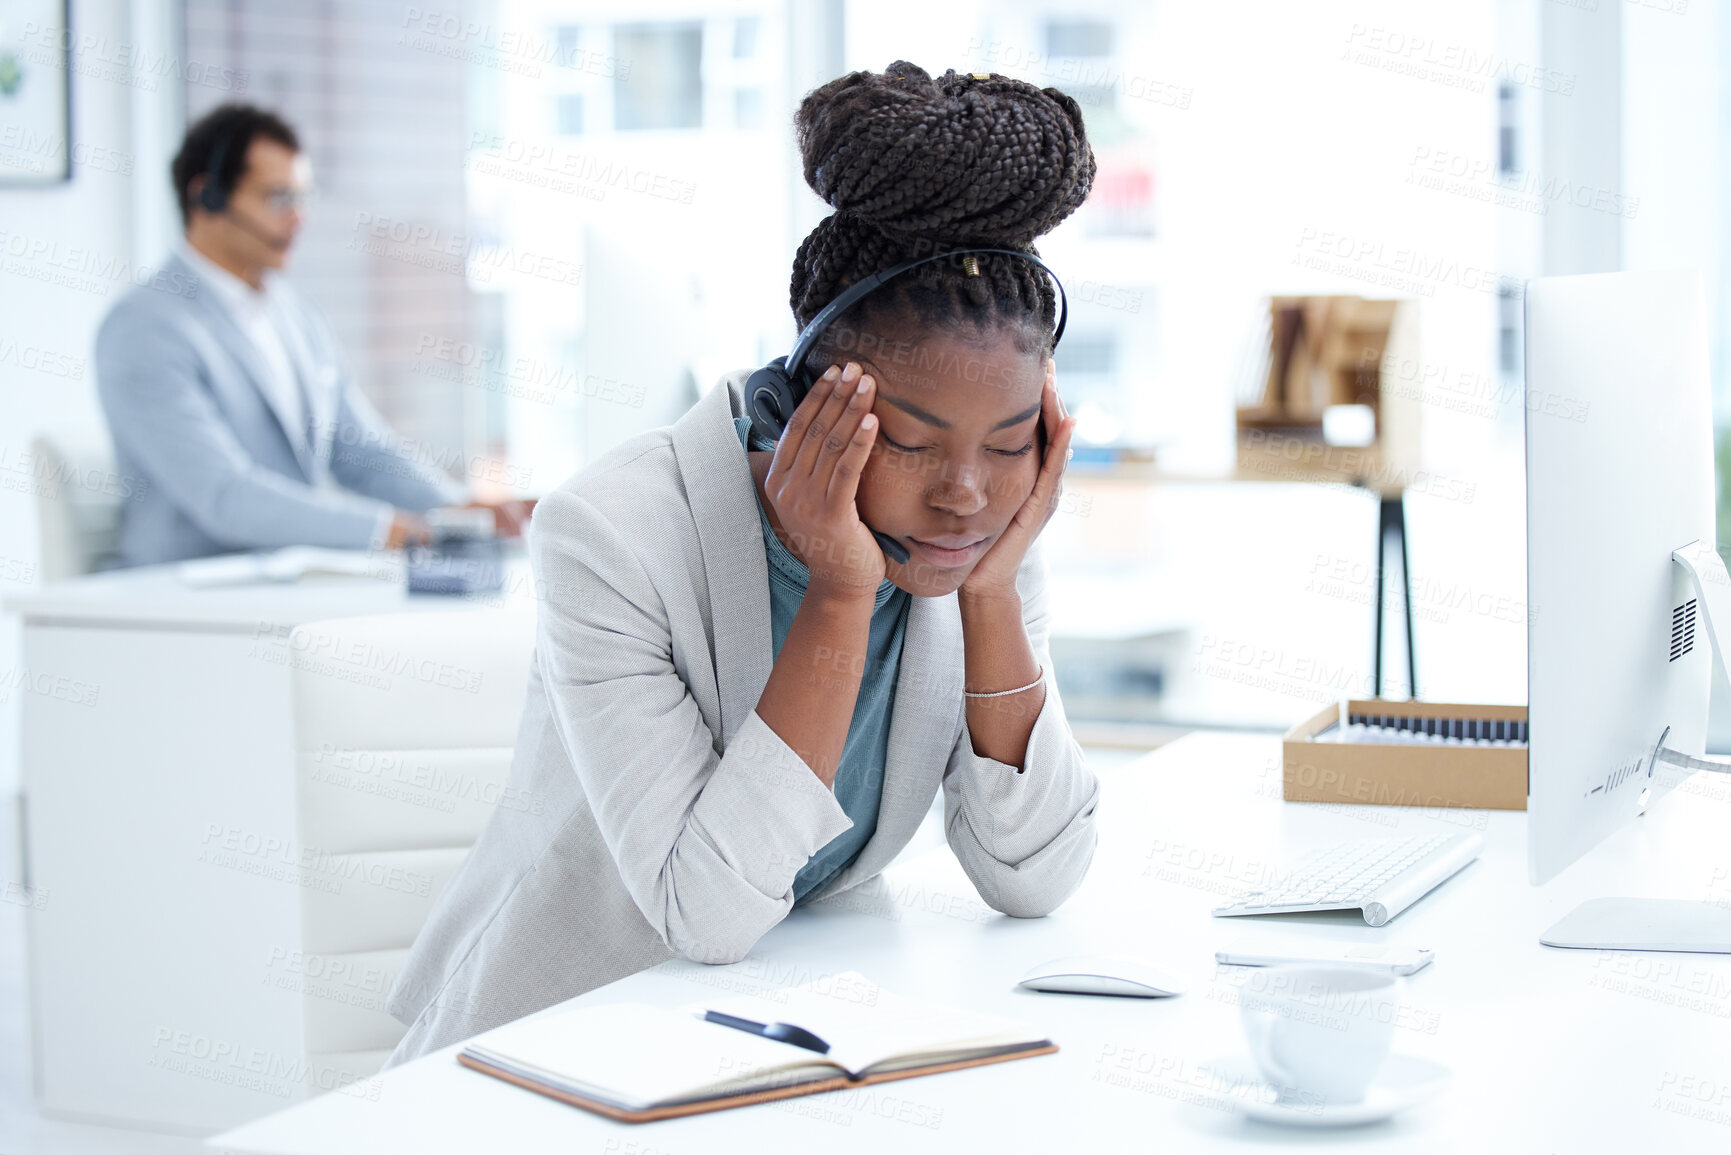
(229, 393)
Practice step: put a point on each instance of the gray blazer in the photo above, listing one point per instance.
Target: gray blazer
(670, 818)
(181, 386)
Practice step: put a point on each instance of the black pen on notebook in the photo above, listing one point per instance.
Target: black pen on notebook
(780, 1032)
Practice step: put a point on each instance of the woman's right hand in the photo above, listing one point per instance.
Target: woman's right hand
(814, 477)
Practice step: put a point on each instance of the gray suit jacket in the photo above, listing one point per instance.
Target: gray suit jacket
(670, 818)
(181, 386)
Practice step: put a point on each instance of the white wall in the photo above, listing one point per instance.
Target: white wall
(67, 252)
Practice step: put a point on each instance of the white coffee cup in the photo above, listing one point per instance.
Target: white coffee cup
(1320, 1034)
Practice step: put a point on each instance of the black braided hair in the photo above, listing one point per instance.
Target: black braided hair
(915, 166)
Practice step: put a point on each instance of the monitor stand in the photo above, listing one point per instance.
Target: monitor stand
(1661, 923)
(1644, 924)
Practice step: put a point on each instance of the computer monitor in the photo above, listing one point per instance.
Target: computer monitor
(1622, 577)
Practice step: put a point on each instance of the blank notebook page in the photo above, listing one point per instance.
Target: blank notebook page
(635, 1054)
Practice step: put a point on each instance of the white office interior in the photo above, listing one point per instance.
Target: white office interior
(540, 228)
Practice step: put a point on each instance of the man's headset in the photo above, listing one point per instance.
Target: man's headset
(213, 195)
(774, 391)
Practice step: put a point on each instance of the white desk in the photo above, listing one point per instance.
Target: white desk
(154, 597)
(158, 713)
(1563, 1051)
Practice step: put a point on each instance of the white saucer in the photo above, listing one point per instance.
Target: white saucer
(1404, 1081)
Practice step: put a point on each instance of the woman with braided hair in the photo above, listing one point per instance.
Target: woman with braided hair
(739, 701)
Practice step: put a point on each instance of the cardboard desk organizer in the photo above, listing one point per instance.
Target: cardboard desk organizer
(1409, 754)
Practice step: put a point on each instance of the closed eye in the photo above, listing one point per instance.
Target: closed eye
(1022, 452)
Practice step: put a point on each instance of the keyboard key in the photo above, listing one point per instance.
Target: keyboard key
(1350, 875)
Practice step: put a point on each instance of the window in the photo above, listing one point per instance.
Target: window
(664, 86)
(569, 39)
(388, 160)
(1086, 43)
(1087, 354)
(1078, 38)
(745, 38)
(748, 108)
(568, 114)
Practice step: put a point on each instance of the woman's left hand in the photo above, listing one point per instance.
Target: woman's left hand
(995, 575)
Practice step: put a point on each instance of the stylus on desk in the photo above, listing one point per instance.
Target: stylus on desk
(781, 1032)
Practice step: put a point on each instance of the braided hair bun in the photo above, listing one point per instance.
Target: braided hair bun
(915, 166)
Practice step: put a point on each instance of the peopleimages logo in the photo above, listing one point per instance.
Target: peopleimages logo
(277, 858)
(521, 375)
(48, 685)
(422, 780)
(121, 62)
(521, 51)
(568, 170)
(1530, 190)
(85, 270)
(429, 246)
(40, 360)
(33, 151)
(360, 659)
(237, 1064)
(1451, 65)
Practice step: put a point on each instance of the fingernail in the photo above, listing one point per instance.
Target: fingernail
(851, 371)
(864, 384)
(831, 371)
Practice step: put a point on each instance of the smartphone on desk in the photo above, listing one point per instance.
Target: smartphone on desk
(1255, 952)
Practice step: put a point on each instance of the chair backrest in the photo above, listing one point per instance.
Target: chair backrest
(77, 506)
(403, 729)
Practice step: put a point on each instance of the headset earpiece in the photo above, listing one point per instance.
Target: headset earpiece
(771, 399)
(213, 195)
(211, 198)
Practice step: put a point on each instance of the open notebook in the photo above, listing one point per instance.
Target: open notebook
(638, 1062)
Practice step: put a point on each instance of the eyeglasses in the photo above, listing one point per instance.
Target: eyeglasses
(286, 200)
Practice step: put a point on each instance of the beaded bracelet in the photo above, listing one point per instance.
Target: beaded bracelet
(1001, 693)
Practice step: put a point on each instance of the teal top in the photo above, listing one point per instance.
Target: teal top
(859, 781)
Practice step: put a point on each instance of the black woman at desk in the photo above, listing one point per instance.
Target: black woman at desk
(774, 629)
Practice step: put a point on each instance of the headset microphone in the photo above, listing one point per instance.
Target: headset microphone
(274, 242)
(773, 392)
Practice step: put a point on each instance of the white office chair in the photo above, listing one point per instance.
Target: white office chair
(78, 497)
(77, 523)
(393, 784)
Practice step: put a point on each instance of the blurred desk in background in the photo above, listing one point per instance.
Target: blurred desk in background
(1118, 647)
(1122, 608)
(150, 708)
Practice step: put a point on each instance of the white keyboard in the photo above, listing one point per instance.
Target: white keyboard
(1381, 877)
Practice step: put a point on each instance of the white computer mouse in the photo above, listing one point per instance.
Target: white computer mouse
(1105, 974)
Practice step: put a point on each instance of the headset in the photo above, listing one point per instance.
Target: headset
(213, 197)
(213, 194)
(774, 391)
